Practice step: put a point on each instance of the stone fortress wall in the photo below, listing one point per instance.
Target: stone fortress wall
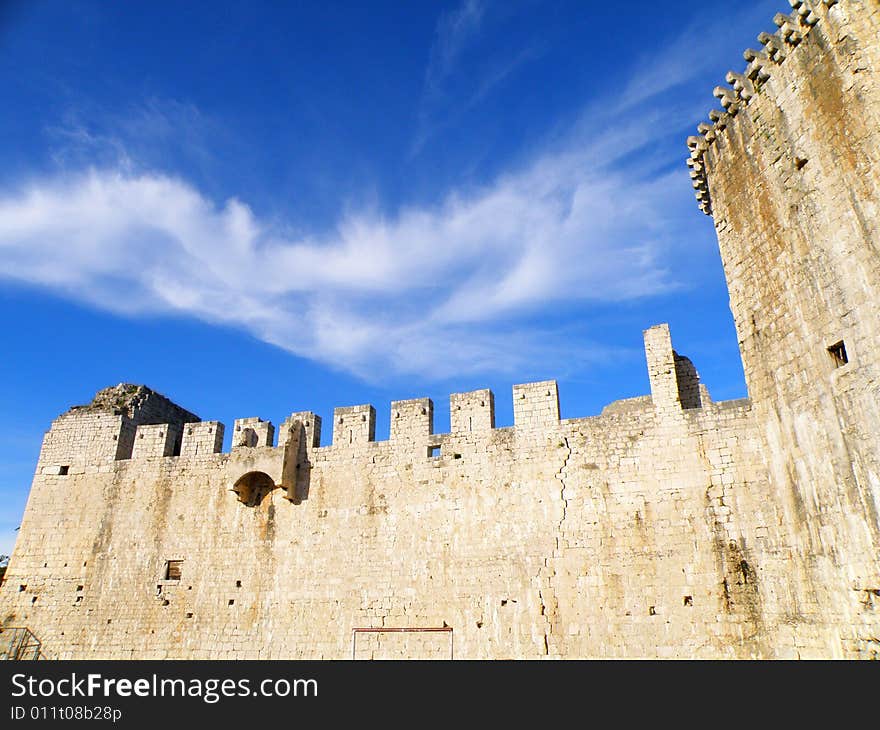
(577, 537)
(667, 526)
(790, 172)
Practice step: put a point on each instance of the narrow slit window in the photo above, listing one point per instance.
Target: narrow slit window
(172, 569)
(837, 352)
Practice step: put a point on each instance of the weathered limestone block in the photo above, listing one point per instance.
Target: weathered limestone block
(474, 411)
(161, 439)
(412, 419)
(536, 405)
(202, 438)
(354, 425)
(252, 433)
(311, 424)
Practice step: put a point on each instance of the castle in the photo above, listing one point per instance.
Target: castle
(667, 526)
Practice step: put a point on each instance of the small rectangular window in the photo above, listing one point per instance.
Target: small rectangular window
(63, 470)
(838, 354)
(172, 569)
(434, 451)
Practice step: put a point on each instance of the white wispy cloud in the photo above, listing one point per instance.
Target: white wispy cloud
(422, 292)
(158, 129)
(452, 86)
(454, 30)
(432, 291)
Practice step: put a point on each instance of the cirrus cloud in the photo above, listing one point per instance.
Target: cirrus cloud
(450, 288)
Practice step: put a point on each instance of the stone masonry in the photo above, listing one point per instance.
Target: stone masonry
(667, 526)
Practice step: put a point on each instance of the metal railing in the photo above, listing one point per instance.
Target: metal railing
(400, 630)
(19, 643)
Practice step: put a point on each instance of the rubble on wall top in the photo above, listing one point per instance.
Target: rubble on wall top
(122, 399)
(791, 31)
(137, 402)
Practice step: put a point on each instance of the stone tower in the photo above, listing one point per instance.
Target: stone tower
(790, 172)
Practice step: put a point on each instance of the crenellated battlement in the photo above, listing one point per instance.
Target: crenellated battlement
(412, 419)
(97, 428)
(161, 439)
(114, 426)
(205, 437)
(354, 425)
(252, 432)
(791, 31)
(474, 411)
(309, 422)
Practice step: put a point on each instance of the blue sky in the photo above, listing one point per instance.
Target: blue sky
(256, 208)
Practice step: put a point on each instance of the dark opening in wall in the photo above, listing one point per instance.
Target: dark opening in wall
(652, 611)
(231, 601)
(63, 470)
(238, 584)
(838, 354)
(434, 451)
(252, 487)
(172, 569)
(177, 446)
(688, 600)
(688, 382)
(800, 162)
